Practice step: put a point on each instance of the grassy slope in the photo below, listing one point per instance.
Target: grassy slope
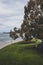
(20, 54)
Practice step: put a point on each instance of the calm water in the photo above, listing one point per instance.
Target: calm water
(5, 38)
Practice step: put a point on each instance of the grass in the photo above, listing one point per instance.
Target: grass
(20, 54)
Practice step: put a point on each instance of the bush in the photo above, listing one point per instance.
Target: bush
(40, 47)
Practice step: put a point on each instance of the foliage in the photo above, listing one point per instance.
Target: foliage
(40, 47)
(33, 21)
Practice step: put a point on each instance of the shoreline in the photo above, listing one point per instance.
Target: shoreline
(9, 43)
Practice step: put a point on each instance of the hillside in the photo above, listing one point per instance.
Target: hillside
(20, 54)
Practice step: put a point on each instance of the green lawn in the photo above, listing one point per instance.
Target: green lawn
(20, 54)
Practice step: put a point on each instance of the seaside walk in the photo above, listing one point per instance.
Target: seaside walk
(2, 45)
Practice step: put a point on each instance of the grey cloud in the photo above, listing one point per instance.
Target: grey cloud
(11, 13)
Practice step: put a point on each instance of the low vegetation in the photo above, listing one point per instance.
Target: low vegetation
(20, 54)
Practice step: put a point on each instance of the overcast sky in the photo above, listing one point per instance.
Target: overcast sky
(11, 14)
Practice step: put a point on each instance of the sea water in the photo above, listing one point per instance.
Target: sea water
(5, 38)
